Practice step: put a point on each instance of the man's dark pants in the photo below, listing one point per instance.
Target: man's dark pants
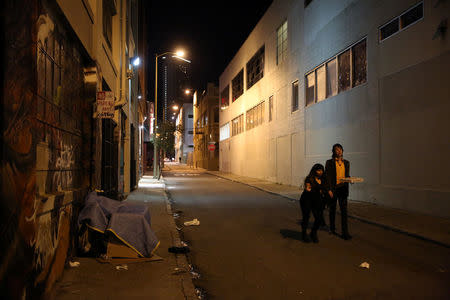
(340, 196)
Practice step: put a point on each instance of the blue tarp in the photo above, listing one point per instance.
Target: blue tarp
(128, 222)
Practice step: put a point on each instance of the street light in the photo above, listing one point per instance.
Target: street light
(178, 55)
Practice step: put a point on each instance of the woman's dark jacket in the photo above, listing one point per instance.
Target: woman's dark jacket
(318, 192)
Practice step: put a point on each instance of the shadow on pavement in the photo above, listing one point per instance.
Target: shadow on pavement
(291, 234)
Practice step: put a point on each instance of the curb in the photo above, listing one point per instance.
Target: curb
(187, 286)
(387, 227)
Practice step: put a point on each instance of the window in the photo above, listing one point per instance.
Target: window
(341, 73)
(225, 97)
(281, 42)
(255, 68)
(307, 2)
(270, 108)
(389, 29)
(237, 85)
(108, 12)
(411, 16)
(359, 63)
(295, 95)
(321, 86)
(237, 125)
(255, 116)
(224, 132)
(344, 71)
(331, 78)
(310, 84)
(399, 23)
(190, 116)
(190, 132)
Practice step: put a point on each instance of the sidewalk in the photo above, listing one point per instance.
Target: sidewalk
(142, 280)
(429, 228)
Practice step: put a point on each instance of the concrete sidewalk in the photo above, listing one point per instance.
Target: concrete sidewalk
(168, 278)
(425, 227)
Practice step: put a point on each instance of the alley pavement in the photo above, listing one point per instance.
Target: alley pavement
(170, 278)
(430, 228)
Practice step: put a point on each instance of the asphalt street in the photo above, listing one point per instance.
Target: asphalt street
(248, 246)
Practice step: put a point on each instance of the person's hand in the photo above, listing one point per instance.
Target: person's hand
(330, 193)
(308, 187)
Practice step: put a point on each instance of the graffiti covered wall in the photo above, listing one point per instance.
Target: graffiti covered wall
(46, 134)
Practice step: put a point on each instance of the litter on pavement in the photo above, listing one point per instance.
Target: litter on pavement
(193, 222)
(365, 265)
(177, 271)
(122, 267)
(74, 264)
(184, 244)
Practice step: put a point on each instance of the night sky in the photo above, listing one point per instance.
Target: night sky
(210, 32)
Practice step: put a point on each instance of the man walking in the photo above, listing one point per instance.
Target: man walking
(336, 169)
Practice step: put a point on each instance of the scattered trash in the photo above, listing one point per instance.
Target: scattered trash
(74, 264)
(179, 228)
(195, 274)
(182, 250)
(177, 271)
(176, 216)
(201, 294)
(365, 265)
(122, 267)
(184, 243)
(193, 222)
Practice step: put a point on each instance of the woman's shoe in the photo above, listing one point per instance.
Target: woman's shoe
(314, 237)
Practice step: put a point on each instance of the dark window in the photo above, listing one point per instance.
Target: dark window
(411, 16)
(295, 95)
(191, 146)
(359, 63)
(225, 97)
(190, 132)
(190, 116)
(344, 71)
(107, 21)
(389, 29)
(237, 85)
(307, 2)
(255, 68)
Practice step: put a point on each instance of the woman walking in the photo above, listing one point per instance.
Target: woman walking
(311, 200)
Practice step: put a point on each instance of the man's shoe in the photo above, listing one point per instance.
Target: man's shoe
(305, 237)
(346, 236)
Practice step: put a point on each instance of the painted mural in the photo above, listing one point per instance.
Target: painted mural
(45, 162)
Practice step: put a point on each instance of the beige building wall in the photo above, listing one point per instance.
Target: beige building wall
(112, 64)
(392, 127)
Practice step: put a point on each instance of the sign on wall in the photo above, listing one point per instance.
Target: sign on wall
(105, 105)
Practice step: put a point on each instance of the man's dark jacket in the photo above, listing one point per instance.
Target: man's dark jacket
(330, 174)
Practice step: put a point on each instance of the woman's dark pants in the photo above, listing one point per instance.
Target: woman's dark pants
(309, 204)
